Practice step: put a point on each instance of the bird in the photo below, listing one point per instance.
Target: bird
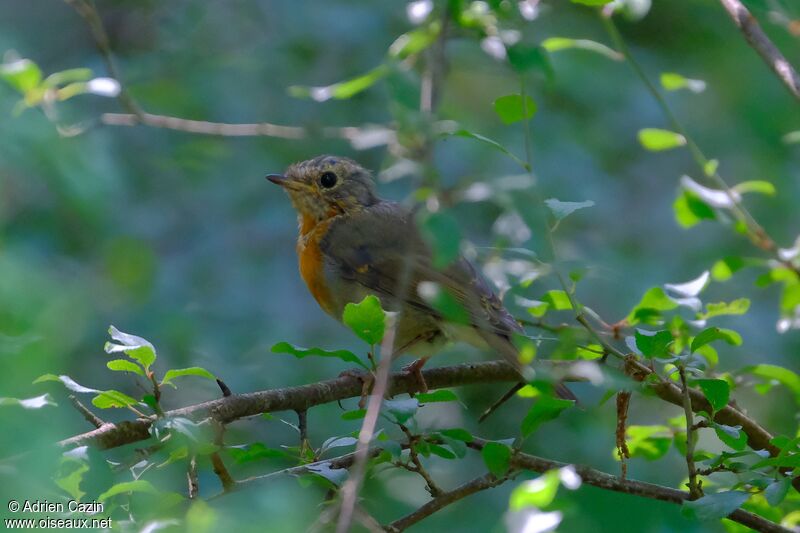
(352, 244)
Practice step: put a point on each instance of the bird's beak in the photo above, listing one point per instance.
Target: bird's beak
(277, 179)
(287, 182)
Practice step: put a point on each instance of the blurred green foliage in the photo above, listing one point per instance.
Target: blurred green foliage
(177, 237)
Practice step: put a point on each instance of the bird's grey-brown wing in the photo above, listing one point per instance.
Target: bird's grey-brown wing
(381, 249)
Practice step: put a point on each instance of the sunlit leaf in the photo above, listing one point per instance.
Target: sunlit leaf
(557, 299)
(648, 442)
(190, 371)
(784, 376)
(652, 303)
(562, 210)
(297, 351)
(556, 44)
(538, 493)
(343, 89)
(112, 398)
(657, 140)
(22, 74)
(757, 186)
(67, 381)
(690, 210)
(37, 402)
(672, 81)
(709, 335)
(513, 108)
(123, 365)
(736, 307)
(732, 436)
(134, 347)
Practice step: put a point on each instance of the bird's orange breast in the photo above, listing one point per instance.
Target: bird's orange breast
(312, 268)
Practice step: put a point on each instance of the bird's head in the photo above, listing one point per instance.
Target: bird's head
(327, 186)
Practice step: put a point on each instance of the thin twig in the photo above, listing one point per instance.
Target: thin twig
(191, 477)
(695, 488)
(349, 491)
(755, 232)
(759, 41)
(416, 465)
(302, 426)
(596, 478)
(623, 402)
(217, 463)
(487, 481)
(90, 417)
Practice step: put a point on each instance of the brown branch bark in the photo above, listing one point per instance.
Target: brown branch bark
(90, 417)
(602, 480)
(467, 489)
(236, 406)
(759, 41)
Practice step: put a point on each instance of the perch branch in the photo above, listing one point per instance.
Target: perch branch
(759, 41)
(90, 417)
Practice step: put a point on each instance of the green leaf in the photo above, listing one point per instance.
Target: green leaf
(256, 451)
(716, 506)
(562, 210)
(653, 344)
(513, 108)
(123, 365)
(496, 457)
(356, 414)
(494, 144)
(22, 74)
(545, 409)
(727, 267)
(710, 167)
(442, 232)
(556, 44)
(367, 319)
(415, 41)
(67, 76)
(524, 58)
(37, 402)
(134, 347)
(538, 493)
(733, 436)
(653, 302)
(67, 381)
(757, 186)
(593, 3)
(777, 491)
(709, 335)
(784, 376)
(190, 371)
(690, 210)
(71, 482)
(736, 307)
(648, 442)
(297, 351)
(458, 434)
(657, 140)
(793, 137)
(442, 452)
(557, 299)
(113, 398)
(716, 391)
(672, 81)
(128, 487)
(402, 409)
(442, 395)
(343, 89)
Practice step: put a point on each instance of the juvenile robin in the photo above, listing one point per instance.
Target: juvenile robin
(353, 243)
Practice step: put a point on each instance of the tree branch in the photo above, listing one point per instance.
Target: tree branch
(487, 481)
(90, 417)
(602, 480)
(236, 406)
(759, 41)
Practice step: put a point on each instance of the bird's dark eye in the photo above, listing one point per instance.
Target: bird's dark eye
(328, 179)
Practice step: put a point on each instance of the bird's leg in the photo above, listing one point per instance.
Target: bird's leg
(415, 369)
(367, 380)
